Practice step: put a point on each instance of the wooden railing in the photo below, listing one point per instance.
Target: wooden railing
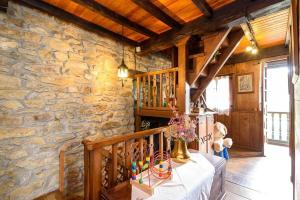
(107, 161)
(278, 127)
(155, 89)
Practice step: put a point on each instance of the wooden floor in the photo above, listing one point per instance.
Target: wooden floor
(253, 177)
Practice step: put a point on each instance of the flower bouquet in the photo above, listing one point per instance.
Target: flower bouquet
(182, 130)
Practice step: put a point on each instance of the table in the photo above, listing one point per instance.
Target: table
(190, 181)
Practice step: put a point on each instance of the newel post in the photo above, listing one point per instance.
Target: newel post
(93, 175)
(183, 97)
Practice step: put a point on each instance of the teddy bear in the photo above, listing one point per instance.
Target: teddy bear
(220, 144)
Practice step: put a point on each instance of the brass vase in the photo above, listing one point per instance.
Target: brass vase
(180, 151)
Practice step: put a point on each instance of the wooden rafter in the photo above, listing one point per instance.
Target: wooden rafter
(157, 13)
(52, 10)
(249, 33)
(234, 38)
(226, 14)
(204, 7)
(106, 12)
(284, 4)
(263, 53)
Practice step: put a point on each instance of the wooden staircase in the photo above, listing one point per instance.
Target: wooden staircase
(199, 60)
(225, 42)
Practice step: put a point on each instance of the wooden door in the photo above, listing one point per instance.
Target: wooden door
(244, 129)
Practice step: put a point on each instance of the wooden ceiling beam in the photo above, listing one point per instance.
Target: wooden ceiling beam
(234, 38)
(249, 33)
(280, 50)
(157, 13)
(52, 10)
(203, 7)
(284, 4)
(220, 19)
(106, 12)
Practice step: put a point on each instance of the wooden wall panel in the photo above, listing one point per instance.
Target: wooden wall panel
(244, 122)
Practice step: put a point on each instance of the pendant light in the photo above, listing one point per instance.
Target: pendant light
(123, 69)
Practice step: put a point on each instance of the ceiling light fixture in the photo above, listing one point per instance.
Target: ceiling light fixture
(123, 69)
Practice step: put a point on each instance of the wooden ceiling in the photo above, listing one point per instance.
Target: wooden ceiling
(269, 31)
(156, 24)
(182, 11)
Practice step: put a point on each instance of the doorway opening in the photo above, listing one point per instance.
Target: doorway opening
(276, 103)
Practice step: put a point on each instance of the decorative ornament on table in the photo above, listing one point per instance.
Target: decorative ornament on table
(156, 170)
(182, 130)
(220, 144)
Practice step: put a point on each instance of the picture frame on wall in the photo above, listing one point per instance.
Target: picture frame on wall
(245, 83)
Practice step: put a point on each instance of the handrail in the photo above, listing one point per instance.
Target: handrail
(174, 69)
(156, 89)
(107, 161)
(94, 143)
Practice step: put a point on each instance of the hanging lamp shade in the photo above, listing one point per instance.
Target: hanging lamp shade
(122, 70)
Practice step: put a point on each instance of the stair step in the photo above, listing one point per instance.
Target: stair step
(196, 55)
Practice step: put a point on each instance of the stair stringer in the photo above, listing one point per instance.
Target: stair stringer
(234, 39)
(211, 44)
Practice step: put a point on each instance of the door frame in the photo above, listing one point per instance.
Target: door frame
(262, 103)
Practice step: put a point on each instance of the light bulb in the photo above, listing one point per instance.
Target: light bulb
(254, 51)
(249, 48)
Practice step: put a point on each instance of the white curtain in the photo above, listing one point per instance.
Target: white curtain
(218, 95)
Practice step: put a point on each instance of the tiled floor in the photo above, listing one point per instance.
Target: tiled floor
(266, 178)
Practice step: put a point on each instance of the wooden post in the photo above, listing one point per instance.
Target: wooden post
(160, 90)
(95, 175)
(154, 91)
(86, 173)
(128, 157)
(151, 146)
(149, 91)
(61, 171)
(183, 100)
(141, 146)
(144, 92)
(114, 164)
(138, 101)
(161, 143)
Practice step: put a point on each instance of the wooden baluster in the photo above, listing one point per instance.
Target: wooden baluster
(272, 115)
(167, 87)
(280, 134)
(174, 84)
(154, 89)
(168, 148)
(128, 158)
(151, 145)
(86, 173)
(161, 143)
(144, 91)
(138, 103)
(160, 90)
(149, 91)
(141, 146)
(95, 177)
(62, 171)
(114, 164)
(288, 127)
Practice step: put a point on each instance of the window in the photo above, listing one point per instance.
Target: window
(218, 95)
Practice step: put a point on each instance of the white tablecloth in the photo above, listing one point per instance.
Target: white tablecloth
(191, 181)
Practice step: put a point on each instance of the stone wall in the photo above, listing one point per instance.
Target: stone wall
(58, 84)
